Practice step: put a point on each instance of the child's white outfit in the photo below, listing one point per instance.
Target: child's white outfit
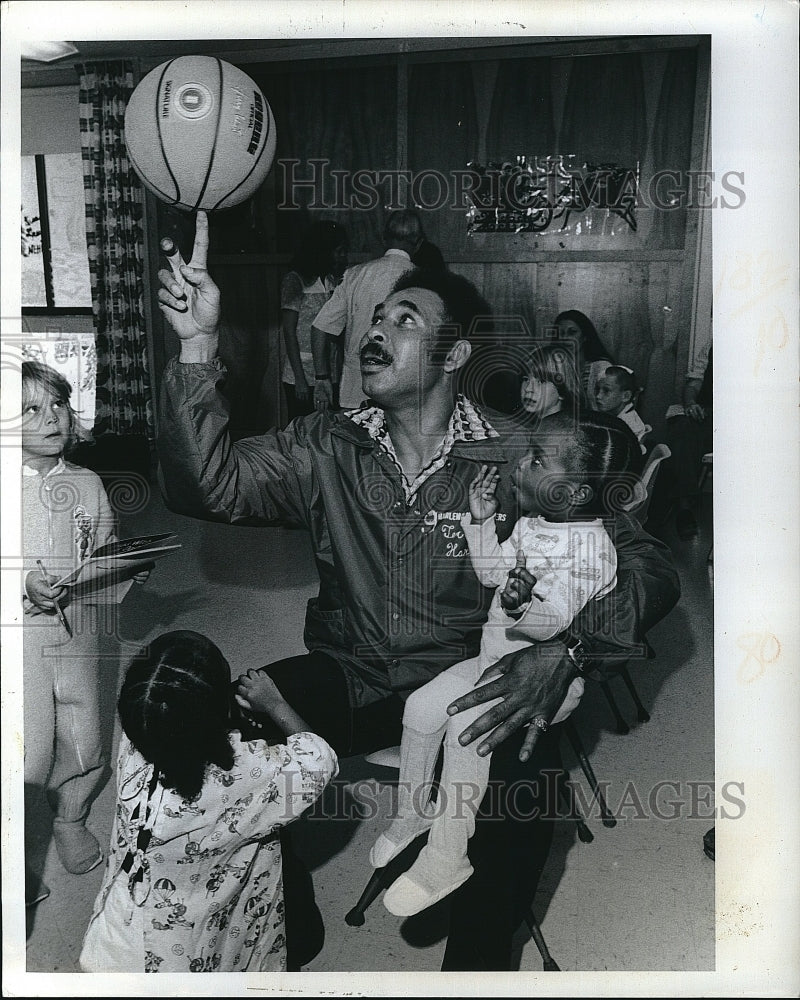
(573, 563)
(629, 416)
(196, 885)
(65, 515)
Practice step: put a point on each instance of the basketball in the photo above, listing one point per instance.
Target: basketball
(199, 133)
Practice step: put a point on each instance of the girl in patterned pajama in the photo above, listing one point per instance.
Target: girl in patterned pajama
(558, 558)
(193, 881)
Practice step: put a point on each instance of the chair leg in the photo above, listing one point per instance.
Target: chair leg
(622, 726)
(567, 794)
(606, 815)
(378, 881)
(548, 962)
(382, 878)
(641, 712)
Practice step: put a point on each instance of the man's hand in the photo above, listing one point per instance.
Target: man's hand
(188, 297)
(519, 586)
(323, 395)
(533, 682)
(695, 412)
(302, 390)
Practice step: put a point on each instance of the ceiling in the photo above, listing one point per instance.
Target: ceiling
(243, 50)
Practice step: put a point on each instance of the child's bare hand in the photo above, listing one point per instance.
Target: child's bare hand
(483, 501)
(143, 574)
(43, 595)
(257, 692)
(519, 586)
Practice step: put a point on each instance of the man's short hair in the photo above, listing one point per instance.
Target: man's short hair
(464, 306)
(404, 229)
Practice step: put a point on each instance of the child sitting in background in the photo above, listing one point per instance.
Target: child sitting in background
(558, 558)
(551, 382)
(193, 881)
(616, 394)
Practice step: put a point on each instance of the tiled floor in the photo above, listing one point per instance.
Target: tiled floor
(639, 898)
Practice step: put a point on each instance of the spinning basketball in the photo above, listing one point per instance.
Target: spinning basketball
(200, 134)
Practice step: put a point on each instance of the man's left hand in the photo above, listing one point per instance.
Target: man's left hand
(532, 682)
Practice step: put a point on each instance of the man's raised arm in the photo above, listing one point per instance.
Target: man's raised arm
(203, 473)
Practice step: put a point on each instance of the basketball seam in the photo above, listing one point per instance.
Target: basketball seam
(161, 138)
(154, 187)
(257, 159)
(216, 136)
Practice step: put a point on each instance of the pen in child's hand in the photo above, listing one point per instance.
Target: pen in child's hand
(59, 611)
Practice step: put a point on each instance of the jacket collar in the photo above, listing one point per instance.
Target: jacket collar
(489, 430)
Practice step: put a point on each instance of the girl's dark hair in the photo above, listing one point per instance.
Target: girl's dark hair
(174, 707)
(591, 347)
(35, 373)
(554, 362)
(624, 378)
(313, 258)
(604, 452)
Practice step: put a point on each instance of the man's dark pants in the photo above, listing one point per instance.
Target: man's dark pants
(512, 835)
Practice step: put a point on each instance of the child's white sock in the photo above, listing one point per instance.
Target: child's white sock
(418, 754)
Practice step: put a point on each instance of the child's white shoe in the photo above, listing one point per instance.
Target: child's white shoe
(77, 848)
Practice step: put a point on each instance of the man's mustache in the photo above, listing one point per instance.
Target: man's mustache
(371, 353)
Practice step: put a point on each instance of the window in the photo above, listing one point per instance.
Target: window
(55, 262)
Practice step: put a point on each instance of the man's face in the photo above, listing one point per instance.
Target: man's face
(395, 351)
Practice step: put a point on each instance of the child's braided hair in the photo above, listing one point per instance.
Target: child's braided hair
(174, 707)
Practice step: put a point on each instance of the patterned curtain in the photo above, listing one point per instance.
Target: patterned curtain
(115, 240)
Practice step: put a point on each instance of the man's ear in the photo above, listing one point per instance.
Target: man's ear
(457, 356)
(627, 393)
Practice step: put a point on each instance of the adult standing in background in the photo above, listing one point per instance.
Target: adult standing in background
(348, 312)
(428, 257)
(690, 436)
(314, 270)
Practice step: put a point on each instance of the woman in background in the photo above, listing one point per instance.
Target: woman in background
(592, 356)
(315, 269)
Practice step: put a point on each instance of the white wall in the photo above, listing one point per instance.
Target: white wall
(49, 120)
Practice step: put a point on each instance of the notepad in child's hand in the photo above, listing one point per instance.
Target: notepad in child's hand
(117, 562)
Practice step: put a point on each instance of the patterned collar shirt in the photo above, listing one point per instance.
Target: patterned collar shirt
(466, 424)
